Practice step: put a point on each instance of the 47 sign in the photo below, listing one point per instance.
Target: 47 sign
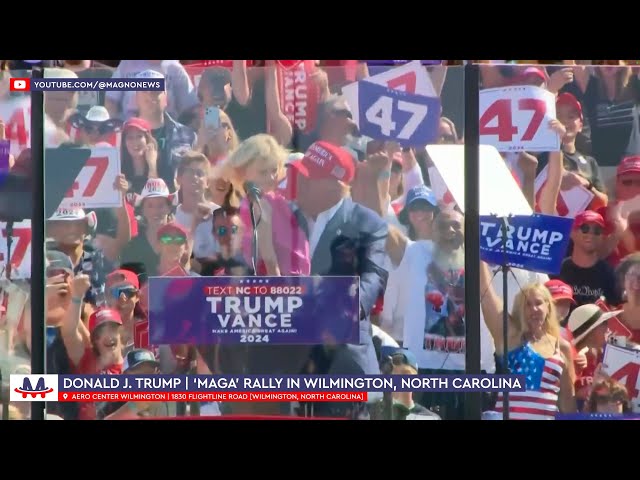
(20, 249)
(391, 114)
(623, 365)
(93, 187)
(517, 118)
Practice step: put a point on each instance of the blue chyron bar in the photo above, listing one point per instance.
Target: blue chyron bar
(598, 416)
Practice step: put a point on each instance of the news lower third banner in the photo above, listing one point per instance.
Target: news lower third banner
(93, 388)
(260, 310)
(537, 243)
(597, 416)
(87, 84)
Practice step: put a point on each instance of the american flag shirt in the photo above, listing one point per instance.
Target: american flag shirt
(542, 381)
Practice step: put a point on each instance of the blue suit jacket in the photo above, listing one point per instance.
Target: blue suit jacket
(367, 232)
(364, 229)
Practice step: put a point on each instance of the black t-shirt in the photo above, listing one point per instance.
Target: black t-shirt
(139, 250)
(165, 170)
(107, 222)
(231, 266)
(58, 363)
(610, 123)
(577, 162)
(251, 119)
(301, 141)
(589, 284)
(137, 183)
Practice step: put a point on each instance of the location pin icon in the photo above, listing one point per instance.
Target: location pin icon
(64, 395)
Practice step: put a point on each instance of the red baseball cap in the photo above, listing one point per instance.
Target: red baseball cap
(588, 216)
(124, 275)
(560, 290)
(325, 160)
(538, 72)
(570, 101)
(102, 316)
(172, 228)
(139, 123)
(629, 165)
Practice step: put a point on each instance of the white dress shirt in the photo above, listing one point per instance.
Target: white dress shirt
(316, 228)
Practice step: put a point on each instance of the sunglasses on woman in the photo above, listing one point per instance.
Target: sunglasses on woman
(128, 291)
(173, 240)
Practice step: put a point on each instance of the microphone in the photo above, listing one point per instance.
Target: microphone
(253, 195)
(253, 192)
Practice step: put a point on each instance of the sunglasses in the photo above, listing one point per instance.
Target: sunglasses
(54, 272)
(99, 129)
(448, 139)
(223, 230)
(595, 229)
(127, 290)
(399, 359)
(630, 183)
(343, 112)
(173, 240)
(420, 205)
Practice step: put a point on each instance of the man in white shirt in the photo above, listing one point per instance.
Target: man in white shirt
(193, 172)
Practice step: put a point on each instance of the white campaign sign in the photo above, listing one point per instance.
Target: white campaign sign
(623, 365)
(93, 187)
(517, 118)
(570, 202)
(20, 249)
(411, 77)
(506, 200)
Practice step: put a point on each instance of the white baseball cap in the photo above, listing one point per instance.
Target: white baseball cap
(73, 214)
(155, 187)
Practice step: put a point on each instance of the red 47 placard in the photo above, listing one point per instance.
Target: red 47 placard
(623, 365)
(16, 115)
(411, 78)
(20, 249)
(517, 118)
(93, 187)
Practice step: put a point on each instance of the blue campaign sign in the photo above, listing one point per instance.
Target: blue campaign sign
(5, 148)
(534, 242)
(262, 310)
(406, 118)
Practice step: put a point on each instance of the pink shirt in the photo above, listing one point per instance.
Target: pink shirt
(290, 242)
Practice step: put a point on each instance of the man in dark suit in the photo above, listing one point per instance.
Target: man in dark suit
(326, 212)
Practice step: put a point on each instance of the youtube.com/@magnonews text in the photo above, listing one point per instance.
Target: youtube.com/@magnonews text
(85, 84)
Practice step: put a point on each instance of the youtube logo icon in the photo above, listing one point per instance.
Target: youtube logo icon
(19, 84)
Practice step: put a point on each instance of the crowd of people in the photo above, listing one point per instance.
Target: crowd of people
(332, 203)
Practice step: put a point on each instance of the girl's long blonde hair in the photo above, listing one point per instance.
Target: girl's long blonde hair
(261, 147)
(518, 314)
